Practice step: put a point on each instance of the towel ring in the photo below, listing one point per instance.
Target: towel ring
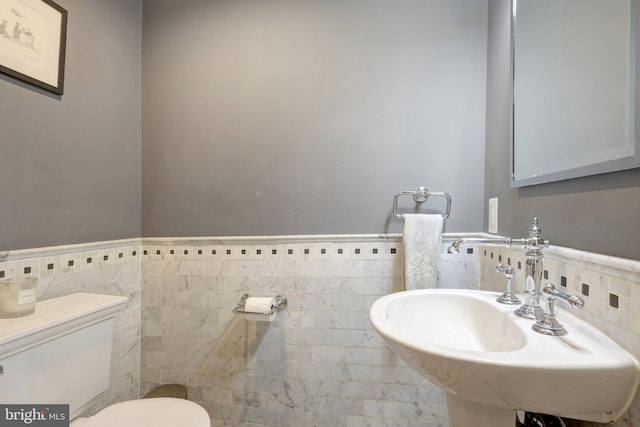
(420, 196)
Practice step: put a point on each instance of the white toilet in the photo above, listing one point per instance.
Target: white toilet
(158, 411)
(61, 354)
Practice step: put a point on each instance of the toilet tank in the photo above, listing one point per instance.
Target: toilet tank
(61, 354)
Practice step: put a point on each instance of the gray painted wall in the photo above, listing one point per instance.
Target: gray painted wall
(305, 117)
(281, 117)
(70, 165)
(600, 213)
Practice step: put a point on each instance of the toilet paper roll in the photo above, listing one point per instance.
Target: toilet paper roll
(259, 305)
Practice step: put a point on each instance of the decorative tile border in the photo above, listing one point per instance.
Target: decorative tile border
(296, 251)
(354, 245)
(321, 247)
(48, 262)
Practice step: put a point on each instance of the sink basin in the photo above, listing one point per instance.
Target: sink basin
(490, 362)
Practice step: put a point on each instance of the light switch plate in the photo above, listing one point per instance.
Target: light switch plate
(493, 215)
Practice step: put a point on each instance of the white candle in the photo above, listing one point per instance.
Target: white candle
(17, 297)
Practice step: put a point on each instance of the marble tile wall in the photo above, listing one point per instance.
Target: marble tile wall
(319, 364)
(106, 268)
(610, 287)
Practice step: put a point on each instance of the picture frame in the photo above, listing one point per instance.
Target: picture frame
(33, 36)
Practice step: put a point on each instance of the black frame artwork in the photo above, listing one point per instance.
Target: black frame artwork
(33, 38)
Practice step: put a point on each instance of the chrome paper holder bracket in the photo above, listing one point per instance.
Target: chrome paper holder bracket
(420, 196)
(280, 304)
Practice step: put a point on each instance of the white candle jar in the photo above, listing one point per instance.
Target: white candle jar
(17, 297)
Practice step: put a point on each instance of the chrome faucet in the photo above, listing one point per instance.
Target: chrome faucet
(533, 270)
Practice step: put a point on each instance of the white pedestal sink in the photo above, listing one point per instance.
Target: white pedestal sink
(490, 363)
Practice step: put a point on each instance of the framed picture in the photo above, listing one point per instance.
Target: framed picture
(33, 35)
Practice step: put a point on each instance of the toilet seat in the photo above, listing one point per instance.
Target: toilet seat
(156, 412)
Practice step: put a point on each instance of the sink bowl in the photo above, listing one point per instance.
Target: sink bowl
(490, 362)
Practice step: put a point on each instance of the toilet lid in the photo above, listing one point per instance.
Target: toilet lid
(155, 412)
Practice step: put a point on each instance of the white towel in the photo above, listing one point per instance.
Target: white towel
(421, 250)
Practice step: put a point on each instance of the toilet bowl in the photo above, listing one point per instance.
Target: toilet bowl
(156, 412)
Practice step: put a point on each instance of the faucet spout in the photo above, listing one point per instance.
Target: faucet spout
(454, 248)
(533, 269)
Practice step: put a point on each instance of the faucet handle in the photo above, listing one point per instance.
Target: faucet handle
(548, 324)
(507, 297)
(506, 270)
(574, 301)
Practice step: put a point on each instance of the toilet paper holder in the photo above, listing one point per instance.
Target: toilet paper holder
(280, 304)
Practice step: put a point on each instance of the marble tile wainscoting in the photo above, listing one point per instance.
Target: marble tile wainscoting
(111, 268)
(319, 364)
(610, 287)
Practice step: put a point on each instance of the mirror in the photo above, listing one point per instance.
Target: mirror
(574, 90)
